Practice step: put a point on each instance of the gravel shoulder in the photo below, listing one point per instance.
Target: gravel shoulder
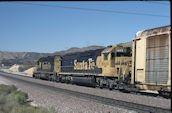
(141, 99)
(62, 103)
(4, 81)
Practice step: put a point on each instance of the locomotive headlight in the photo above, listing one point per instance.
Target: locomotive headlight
(119, 50)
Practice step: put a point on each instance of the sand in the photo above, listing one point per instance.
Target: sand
(15, 68)
(30, 71)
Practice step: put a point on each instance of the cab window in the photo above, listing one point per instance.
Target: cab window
(120, 54)
(38, 63)
(105, 56)
(112, 55)
(45, 62)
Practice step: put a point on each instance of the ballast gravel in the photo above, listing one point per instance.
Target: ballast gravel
(62, 103)
(141, 99)
(71, 101)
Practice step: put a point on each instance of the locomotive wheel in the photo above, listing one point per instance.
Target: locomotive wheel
(49, 79)
(165, 94)
(111, 86)
(67, 81)
(101, 85)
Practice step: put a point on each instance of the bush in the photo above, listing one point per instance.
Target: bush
(29, 109)
(5, 89)
(14, 101)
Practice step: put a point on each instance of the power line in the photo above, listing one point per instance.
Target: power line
(99, 10)
(156, 2)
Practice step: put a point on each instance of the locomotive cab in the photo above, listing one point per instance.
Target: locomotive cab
(116, 66)
(44, 68)
(116, 60)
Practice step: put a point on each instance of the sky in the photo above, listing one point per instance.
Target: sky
(46, 28)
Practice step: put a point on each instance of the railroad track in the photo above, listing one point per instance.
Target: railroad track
(132, 92)
(140, 108)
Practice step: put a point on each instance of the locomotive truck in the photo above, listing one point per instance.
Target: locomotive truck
(144, 66)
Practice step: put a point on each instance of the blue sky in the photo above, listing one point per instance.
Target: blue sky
(31, 28)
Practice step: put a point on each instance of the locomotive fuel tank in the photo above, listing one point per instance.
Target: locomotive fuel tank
(86, 81)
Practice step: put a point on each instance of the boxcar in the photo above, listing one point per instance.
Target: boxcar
(151, 59)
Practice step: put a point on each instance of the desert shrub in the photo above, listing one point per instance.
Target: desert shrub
(2, 100)
(29, 109)
(5, 89)
(15, 101)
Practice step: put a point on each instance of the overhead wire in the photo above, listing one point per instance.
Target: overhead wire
(91, 9)
(156, 2)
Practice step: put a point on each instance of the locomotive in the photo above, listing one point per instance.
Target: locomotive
(144, 66)
(96, 67)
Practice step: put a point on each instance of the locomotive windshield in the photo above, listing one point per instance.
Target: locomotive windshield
(106, 56)
(112, 55)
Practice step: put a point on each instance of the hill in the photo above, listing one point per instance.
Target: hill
(30, 58)
(26, 58)
(76, 49)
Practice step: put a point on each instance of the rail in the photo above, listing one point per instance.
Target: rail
(140, 108)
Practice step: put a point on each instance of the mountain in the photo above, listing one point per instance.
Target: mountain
(76, 49)
(30, 58)
(25, 58)
(128, 44)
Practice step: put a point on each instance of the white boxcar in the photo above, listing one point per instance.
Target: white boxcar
(151, 59)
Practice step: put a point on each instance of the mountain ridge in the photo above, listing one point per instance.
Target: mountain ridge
(29, 58)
